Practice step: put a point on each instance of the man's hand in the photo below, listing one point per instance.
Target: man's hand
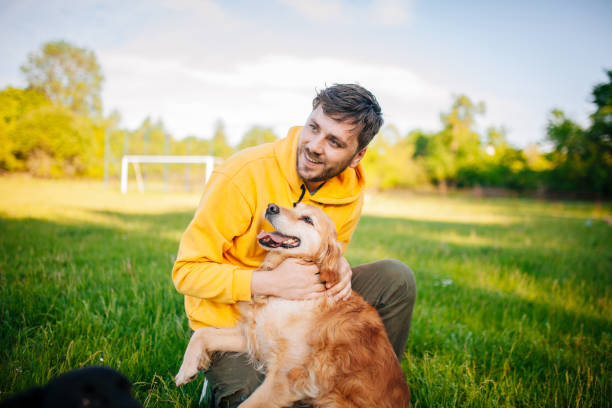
(342, 289)
(292, 279)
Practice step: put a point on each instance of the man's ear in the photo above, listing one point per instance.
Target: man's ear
(358, 158)
(329, 260)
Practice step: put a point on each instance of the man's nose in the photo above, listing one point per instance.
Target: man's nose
(272, 209)
(316, 145)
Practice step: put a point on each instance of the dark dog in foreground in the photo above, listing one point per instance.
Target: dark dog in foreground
(90, 387)
(326, 353)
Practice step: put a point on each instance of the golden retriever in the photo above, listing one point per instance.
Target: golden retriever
(330, 354)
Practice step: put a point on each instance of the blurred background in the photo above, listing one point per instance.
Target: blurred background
(489, 95)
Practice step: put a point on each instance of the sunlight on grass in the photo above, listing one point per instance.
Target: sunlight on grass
(77, 202)
(461, 208)
(432, 208)
(23, 196)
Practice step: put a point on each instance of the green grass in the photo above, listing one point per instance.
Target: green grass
(513, 309)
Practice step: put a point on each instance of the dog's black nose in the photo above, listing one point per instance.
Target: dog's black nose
(272, 209)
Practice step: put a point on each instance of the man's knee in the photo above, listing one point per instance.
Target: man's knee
(385, 282)
(232, 379)
(232, 397)
(398, 275)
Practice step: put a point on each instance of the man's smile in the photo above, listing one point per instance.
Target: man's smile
(310, 160)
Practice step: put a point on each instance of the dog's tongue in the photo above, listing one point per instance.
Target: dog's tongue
(275, 236)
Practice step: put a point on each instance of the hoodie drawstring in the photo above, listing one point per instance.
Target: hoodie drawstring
(303, 187)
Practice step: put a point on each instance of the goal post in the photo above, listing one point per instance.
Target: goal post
(209, 161)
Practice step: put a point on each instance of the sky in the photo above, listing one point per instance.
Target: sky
(192, 63)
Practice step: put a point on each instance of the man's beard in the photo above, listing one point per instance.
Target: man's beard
(327, 173)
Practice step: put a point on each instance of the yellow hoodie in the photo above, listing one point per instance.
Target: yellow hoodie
(219, 251)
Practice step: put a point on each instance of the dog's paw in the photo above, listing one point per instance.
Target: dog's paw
(183, 378)
(190, 368)
(203, 361)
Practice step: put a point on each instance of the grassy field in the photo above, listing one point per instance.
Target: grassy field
(514, 304)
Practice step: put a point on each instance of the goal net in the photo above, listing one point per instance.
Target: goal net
(136, 160)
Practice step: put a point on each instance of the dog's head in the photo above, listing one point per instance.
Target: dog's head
(304, 232)
(85, 387)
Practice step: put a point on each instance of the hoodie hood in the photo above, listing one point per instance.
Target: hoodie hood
(345, 188)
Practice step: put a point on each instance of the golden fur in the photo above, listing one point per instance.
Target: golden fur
(329, 354)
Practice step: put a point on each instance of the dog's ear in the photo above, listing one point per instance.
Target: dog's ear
(328, 261)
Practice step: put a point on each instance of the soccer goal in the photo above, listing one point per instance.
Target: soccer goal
(136, 160)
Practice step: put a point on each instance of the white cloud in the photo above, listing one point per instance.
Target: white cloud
(385, 12)
(317, 10)
(392, 12)
(195, 8)
(273, 91)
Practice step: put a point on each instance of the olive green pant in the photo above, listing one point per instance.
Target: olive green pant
(388, 285)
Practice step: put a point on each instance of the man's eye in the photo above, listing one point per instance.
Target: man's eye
(335, 143)
(313, 127)
(307, 219)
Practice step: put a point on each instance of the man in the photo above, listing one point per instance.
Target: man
(318, 164)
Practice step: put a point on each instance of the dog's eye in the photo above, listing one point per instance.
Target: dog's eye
(307, 219)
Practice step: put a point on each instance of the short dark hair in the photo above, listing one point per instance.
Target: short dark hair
(353, 103)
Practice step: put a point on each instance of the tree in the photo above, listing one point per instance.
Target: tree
(256, 136)
(536, 161)
(457, 145)
(501, 166)
(601, 127)
(569, 149)
(195, 146)
(582, 158)
(14, 105)
(599, 136)
(219, 145)
(148, 138)
(459, 124)
(67, 75)
(390, 163)
(53, 141)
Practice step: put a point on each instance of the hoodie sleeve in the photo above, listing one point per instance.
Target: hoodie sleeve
(201, 269)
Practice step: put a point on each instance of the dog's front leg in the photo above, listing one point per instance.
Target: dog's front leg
(274, 392)
(202, 344)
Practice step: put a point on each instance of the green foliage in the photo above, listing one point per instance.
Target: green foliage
(14, 105)
(53, 141)
(457, 145)
(582, 158)
(569, 149)
(43, 138)
(389, 162)
(580, 162)
(67, 75)
(255, 136)
(219, 145)
(502, 166)
(149, 138)
(53, 128)
(601, 127)
(195, 146)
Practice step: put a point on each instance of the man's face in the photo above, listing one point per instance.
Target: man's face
(325, 148)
